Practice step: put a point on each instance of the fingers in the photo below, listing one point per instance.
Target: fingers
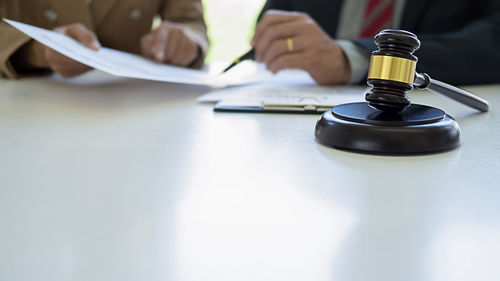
(277, 49)
(81, 34)
(294, 40)
(280, 26)
(63, 65)
(327, 65)
(169, 44)
(160, 43)
(274, 17)
(146, 43)
(185, 52)
(277, 34)
(289, 60)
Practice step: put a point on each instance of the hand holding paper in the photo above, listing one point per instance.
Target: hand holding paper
(36, 55)
(63, 65)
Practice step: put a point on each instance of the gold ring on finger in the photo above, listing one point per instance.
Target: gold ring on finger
(289, 44)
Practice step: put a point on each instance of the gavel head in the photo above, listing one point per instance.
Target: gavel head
(392, 70)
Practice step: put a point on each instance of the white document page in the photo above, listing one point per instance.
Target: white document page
(290, 91)
(130, 65)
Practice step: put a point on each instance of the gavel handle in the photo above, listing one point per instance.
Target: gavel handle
(423, 81)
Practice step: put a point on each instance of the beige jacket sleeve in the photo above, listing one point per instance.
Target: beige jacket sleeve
(189, 13)
(11, 40)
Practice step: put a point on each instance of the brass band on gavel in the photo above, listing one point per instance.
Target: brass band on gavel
(392, 68)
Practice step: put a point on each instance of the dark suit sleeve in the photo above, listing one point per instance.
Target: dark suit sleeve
(276, 5)
(284, 5)
(466, 56)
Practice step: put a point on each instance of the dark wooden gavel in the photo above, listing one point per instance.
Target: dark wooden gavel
(392, 74)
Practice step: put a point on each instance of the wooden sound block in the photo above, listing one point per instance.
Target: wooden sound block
(361, 128)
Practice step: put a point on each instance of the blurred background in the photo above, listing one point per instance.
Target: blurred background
(231, 24)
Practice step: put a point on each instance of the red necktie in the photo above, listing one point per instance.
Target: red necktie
(378, 15)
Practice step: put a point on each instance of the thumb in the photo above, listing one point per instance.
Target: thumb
(83, 35)
(94, 44)
(89, 40)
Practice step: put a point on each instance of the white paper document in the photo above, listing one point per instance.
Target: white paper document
(283, 97)
(130, 65)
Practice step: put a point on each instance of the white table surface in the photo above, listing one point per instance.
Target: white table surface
(104, 178)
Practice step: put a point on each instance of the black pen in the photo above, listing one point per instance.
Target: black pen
(250, 55)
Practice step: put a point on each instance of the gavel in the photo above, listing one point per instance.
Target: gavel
(387, 123)
(392, 73)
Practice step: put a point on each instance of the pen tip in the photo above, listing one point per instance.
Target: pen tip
(227, 68)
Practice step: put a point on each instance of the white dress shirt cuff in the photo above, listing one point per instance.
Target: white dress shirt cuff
(358, 58)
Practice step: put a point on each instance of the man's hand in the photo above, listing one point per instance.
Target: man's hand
(169, 43)
(36, 55)
(313, 50)
(63, 65)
